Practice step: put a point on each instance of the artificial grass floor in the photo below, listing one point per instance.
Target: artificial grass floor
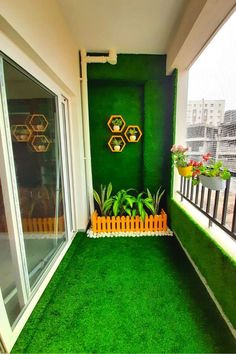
(125, 295)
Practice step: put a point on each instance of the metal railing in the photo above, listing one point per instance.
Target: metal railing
(218, 206)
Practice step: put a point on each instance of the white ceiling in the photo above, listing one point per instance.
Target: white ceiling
(129, 26)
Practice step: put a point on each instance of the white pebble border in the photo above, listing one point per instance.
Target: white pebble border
(92, 234)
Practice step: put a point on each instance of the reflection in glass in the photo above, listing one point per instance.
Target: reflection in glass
(8, 274)
(34, 131)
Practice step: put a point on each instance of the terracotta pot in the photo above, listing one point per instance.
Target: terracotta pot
(185, 171)
(116, 147)
(132, 137)
(215, 183)
(116, 128)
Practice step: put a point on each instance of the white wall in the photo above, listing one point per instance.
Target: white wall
(35, 35)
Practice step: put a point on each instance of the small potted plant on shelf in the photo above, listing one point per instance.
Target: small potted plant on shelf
(22, 133)
(117, 143)
(116, 123)
(181, 162)
(210, 173)
(132, 134)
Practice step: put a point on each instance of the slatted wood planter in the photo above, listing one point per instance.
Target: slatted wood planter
(43, 225)
(151, 223)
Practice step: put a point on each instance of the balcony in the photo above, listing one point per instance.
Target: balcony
(61, 291)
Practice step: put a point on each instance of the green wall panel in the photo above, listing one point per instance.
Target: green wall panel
(130, 67)
(214, 264)
(123, 169)
(138, 89)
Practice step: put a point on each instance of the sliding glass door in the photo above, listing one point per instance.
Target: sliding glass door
(32, 131)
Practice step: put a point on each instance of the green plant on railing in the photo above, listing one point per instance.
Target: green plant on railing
(104, 200)
(156, 199)
(209, 168)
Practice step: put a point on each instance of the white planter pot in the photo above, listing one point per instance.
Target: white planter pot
(116, 147)
(132, 137)
(215, 183)
(116, 128)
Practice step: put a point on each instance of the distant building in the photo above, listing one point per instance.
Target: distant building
(226, 151)
(209, 112)
(201, 138)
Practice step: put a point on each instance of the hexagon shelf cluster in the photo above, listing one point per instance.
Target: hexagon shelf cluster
(133, 133)
(30, 132)
(116, 143)
(116, 123)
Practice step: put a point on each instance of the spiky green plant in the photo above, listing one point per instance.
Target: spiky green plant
(156, 198)
(143, 204)
(104, 200)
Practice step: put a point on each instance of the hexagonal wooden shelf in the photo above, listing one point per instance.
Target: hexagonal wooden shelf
(38, 122)
(21, 133)
(118, 147)
(135, 137)
(40, 143)
(116, 128)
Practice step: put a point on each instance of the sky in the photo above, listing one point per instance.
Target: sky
(213, 75)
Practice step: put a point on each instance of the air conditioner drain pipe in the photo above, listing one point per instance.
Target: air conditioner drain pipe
(85, 59)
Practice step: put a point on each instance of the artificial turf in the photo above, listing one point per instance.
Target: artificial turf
(125, 295)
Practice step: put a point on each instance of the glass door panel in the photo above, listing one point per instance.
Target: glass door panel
(35, 142)
(8, 271)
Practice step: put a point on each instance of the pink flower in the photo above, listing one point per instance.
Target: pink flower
(178, 149)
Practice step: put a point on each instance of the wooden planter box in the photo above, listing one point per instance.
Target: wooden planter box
(129, 223)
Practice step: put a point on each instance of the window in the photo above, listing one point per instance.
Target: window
(212, 80)
(32, 180)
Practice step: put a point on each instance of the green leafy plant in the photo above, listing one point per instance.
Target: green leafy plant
(104, 200)
(123, 203)
(117, 121)
(156, 198)
(142, 204)
(132, 131)
(116, 142)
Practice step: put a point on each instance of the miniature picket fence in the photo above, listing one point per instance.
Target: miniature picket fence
(151, 223)
(43, 225)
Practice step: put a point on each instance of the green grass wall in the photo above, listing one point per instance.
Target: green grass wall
(212, 261)
(138, 89)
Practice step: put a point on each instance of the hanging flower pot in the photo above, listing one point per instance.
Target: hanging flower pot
(185, 171)
(215, 183)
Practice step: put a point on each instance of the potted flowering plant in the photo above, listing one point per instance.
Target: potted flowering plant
(210, 173)
(181, 161)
